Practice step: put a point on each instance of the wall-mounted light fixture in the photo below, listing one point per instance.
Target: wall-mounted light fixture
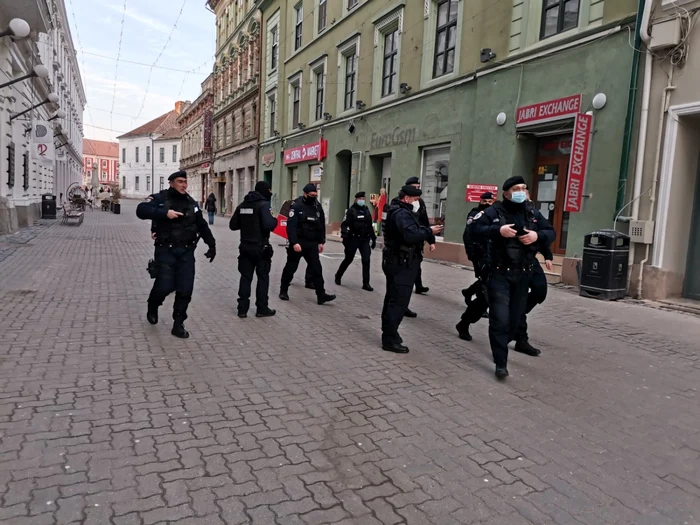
(39, 71)
(501, 118)
(360, 105)
(327, 116)
(599, 101)
(59, 114)
(404, 88)
(53, 98)
(17, 28)
(301, 125)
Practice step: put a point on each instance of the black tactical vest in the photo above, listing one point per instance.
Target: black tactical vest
(511, 252)
(182, 230)
(310, 223)
(249, 217)
(393, 239)
(359, 221)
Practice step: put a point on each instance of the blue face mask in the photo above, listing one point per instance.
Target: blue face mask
(518, 197)
(360, 203)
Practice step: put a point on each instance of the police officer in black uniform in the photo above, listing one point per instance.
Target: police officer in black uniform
(253, 218)
(515, 231)
(477, 251)
(404, 238)
(357, 233)
(177, 226)
(423, 220)
(306, 231)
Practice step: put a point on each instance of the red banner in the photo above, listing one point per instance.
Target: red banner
(578, 162)
(315, 151)
(207, 130)
(548, 111)
(474, 191)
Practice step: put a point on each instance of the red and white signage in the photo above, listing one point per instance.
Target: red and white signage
(315, 151)
(474, 191)
(552, 110)
(578, 162)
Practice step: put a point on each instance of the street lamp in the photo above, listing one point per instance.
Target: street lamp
(53, 98)
(59, 114)
(39, 71)
(17, 28)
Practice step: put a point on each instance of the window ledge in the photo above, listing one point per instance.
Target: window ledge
(545, 42)
(439, 80)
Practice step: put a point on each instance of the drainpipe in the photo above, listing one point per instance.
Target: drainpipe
(645, 10)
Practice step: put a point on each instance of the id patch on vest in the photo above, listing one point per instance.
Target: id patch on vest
(291, 213)
(478, 216)
(196, 210)
(246, 211)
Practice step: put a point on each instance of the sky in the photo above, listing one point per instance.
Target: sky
(119, 94)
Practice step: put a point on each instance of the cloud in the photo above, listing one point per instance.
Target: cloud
(140, 17)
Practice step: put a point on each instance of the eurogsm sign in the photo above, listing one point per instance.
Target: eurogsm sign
(550, 111)
(315, 151)
(578, 162)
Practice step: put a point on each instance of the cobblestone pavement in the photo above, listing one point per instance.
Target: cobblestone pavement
(302, 419)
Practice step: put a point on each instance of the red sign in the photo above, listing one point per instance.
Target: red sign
(316, 151)
(549, 111)
(474, 191)
(207, 130)
(204, 166)
(578, 162)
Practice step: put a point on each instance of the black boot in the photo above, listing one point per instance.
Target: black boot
(265, 312)
(422, 289)
(524, 347)
(325, 298)
(396, 348)
(367, 287)
(179, 330)
(464, 334)
(152, 314)
(284, 295)
(338, 278)
(410, 313)
(501, 372)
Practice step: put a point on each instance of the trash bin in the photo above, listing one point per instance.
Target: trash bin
(48, 206)
(604, 265)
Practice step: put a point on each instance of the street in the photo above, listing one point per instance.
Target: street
(303, 419)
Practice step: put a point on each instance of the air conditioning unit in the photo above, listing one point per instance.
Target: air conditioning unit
(642, 232)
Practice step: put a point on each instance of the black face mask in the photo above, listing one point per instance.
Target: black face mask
(309, 200)
(482, 207)
(267, 195)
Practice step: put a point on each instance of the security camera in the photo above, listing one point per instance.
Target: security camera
(351, 127)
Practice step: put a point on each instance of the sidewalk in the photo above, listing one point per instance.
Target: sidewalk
(302, 419)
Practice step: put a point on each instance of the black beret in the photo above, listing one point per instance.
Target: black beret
(412, 180)
(182, 174)
(411, 191)
(359, 194)
(513, 181)
(310, 188)
(486, 195)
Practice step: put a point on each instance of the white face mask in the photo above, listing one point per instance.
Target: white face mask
(416, 206)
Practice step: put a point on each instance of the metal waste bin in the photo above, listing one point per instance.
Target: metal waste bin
(48, 206)
(604, 265)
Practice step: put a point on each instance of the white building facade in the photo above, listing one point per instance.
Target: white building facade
(149, 154)
(37, 42)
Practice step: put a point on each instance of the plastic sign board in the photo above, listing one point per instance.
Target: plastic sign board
(474, 191)
(316, 151)
(578, 162)
(550, 111)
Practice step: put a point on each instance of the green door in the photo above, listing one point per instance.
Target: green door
(691, 284)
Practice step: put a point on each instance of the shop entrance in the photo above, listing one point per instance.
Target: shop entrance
(549, 185)
(691, 283)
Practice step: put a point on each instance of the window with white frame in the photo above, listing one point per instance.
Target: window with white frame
(558, 16)
(390, 63)
(348, 53)
(318, 90)
(136, 154)
(445, 38)
(352, 4)
(271, 113)
(322, 12)
(298, 22)
(295, 102)
(274, 47)
(174, 152)
(387, 55)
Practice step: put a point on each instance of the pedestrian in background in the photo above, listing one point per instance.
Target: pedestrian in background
(210, 206)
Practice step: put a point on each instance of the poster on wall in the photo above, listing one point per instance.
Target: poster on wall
(474, 191)
(316, 173)
(42, 145)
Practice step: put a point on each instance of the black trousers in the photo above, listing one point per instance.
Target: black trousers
(538, 293)
(309, 251)
(351, 246)
(400, 278)
(251, 260)
(507, 304)
(419, 273)
(476, 308)
(175, 274)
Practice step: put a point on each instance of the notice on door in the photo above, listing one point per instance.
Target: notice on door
(578, 163)
(474, 191)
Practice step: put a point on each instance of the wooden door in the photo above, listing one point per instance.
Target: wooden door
(548, 195)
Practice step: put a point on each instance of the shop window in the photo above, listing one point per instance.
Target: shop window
(435, 170)
(294, 177)
(445, 38)
(558, 16)
(298, 22)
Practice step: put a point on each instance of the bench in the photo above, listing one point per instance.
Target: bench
(71, 215)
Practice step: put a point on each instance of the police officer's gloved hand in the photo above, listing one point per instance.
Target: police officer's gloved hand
(374, 243)
(211, 254)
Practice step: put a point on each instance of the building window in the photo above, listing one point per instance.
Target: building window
(559, 16)
(445, 38)
(321, 16)
(272, 113)
(137, 154)
(136, 183)
(318, 90)
(148, 153)
(350, 90)
(148, 184)
(162, 181)
(226, 134)
(274, 47)
(389, 63)
(296, 105)
(174, 152)
(162, 155)
(123, 182)
(298, 19)
(123, 154)
(434, 179)
(352, 3)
